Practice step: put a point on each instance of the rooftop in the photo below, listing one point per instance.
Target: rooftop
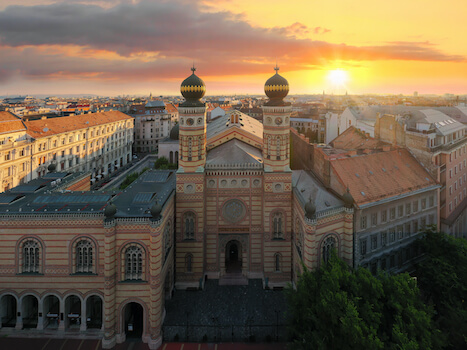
(373, 177)
(47, 196)
(352, 138)
(47, 127)
(246, 123)
(10, 123)
(307, 186)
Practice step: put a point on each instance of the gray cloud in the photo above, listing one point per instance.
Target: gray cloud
(180, 32)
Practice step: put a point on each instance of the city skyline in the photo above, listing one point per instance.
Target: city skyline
(111, 47)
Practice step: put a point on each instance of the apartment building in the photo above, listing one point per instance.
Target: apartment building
(95, 142)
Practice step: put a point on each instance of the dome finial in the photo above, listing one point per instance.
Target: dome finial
(193, 89)
(276, 68)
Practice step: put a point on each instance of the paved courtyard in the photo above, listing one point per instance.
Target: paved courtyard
(226, 313)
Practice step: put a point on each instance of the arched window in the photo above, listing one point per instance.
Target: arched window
(269, 147)
(190, 147)
(189, 222)
(167, 239)
(328, 245)
(298, 235)
(84, 256)
(189, 263)
(199, 147)
(278, 226)
(278, 148)
(31, 256)
(277, 262)
(134, 263)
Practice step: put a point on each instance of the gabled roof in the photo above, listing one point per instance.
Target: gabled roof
(352, 138)
(47, 127)
(443, 124)
(246, 123)
(234, 124)
(10, 123)
(307, 186)
(234, 153)
(373, 177)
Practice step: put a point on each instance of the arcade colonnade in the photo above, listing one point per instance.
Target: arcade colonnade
(52, 311)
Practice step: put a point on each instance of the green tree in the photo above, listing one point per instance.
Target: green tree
(336, 307)
(162, 161)
(442, 277)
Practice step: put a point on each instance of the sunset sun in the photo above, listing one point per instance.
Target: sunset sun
(338, 77)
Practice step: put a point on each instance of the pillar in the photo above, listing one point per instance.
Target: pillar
(19, 317)
(83, 325)
(62, 316)
(40, 316)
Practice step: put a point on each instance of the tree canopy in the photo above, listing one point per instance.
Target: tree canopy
(336, 307)
(442, 277)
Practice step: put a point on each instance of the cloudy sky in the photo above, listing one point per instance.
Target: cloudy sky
(113, 47)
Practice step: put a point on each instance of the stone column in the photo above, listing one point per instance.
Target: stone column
(61, 315)
(40, 315)
(83, 325)
(19, 317)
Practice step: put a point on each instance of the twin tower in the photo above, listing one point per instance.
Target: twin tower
(234, 205)
(276, 123)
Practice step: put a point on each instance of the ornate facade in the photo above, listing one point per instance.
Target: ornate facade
(233, 211)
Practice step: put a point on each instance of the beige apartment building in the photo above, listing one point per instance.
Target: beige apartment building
(439, 142)
(97, 142)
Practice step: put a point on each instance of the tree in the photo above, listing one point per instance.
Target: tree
(442, 277)
(162, 161)
(336, 307)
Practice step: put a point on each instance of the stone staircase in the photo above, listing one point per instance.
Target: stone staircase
(233, 279)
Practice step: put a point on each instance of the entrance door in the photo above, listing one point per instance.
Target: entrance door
(233, 261)
(233, 253)
(133, 320)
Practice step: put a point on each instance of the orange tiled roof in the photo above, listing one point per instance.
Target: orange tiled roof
(353, 138)
(10, 123)
(376, 176)
(170, 108)
(60, 125)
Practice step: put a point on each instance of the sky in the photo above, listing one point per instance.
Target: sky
(131, 47)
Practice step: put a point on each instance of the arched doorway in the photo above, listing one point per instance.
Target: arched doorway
(233, 257)
(94, 312)
(72, 312)
(8, 311)
(133, 318)
(30, 311)
(51, 311)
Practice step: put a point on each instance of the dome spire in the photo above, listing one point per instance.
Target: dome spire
(276, 88)
(193, 89)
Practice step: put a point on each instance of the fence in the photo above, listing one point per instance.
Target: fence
(224, 333)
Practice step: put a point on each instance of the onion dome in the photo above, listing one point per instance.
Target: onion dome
(193, 89)
(156, 210)
(348, 199)
(51, 168)
(110, 211)
(174, 133)
(310, 209)
(276, 88)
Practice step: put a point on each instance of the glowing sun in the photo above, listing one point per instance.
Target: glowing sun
(338, 76)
